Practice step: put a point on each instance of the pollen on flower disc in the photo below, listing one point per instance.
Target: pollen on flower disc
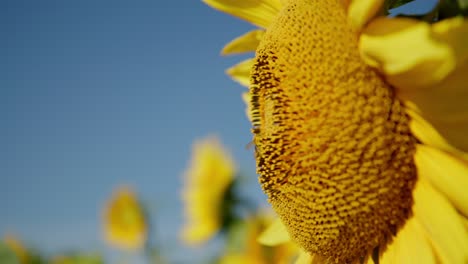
(333, 147)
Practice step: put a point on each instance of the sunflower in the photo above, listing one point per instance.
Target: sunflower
(207, 183)
(249, 248)
(124, 220)
(360, 125)
(17, 247)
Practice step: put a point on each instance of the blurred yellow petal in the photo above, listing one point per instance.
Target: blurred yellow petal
(442, 224)
(427, 64)
(427, 134)
(406, 51)
(361, 11)
(208, 177)
(247, 98)
(240, 258)
(202, 233)
(370, 261)
(258, 12)
(275, 234)
(125, 224)
(244, 247)
(241, 72)
(411, 245)
(454, 33)
(18, 248)
(445, 106)
(286, 253)
(245, 43)
(446, 173)
(304, 258)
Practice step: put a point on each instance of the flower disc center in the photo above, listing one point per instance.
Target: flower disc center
(333, 145)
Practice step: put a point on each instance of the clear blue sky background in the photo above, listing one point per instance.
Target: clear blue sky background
(94, 94)
(98, 93)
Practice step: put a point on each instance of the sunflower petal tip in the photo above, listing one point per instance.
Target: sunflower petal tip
(274, 235)
(361, 11)
(304, 258)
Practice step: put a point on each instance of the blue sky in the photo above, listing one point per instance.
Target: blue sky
(94, 94)
(98, 93)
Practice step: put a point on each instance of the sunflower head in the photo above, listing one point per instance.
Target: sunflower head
(207, 182)
(125, 224)
(334, 148)
(336, 140)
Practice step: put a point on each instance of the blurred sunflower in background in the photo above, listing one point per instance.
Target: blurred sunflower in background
(77, 259)
(15, 251)
(124, 221)
(360, 124)
(245, 246)
(17, 247)
(207, 191)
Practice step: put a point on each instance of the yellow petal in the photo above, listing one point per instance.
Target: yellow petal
(454, 33)
(212, 167)
(124, 221)
(258, 12)
(247, 98)
(413, 53)
(445, 106)
(361, 11)
(304, 258)
(274, 235)
(245, 43)
(427, 64)
(427, 134)
(241, 72)
(239, 258)
(411, 245)
(369, 261)
(441, 222)
(18, 248)
(446, 173)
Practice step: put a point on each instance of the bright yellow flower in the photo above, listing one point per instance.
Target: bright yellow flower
(125, 224)
(17, 247)
(208, 178)
(360, 127)
(253, 251)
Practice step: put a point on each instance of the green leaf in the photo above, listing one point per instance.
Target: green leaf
(236, 236)
(7, 256)
(80, 258)
(463, 4)
(88, 259)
